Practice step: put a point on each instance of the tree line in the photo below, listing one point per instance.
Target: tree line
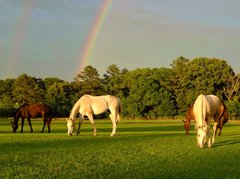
(143, 92)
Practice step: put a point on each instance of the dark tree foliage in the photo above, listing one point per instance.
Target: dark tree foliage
(144, 92)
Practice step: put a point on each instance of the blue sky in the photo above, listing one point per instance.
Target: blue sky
(46, 38)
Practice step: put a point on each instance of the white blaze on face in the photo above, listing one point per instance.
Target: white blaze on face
(71, 126)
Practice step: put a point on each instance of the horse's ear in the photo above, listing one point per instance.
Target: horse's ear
(205, 128)
(183, 121)
(11, 122)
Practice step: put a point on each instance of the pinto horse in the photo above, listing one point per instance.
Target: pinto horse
(89, 105)
(223, 118)
(31, 111)
(206, 107)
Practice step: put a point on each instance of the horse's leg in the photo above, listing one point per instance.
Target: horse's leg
(80, 123)
(48, 123)
(44, 122)
(220, 126)
(205, 140)
(220, 132)
(90, 116)
(22, 125)
(113, 117)
(29, 122)
(208, 132)
(215, 128)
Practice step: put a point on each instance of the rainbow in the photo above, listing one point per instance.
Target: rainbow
(94, 33)
(14, 54)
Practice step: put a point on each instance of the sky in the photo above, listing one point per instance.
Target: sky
(48, 38)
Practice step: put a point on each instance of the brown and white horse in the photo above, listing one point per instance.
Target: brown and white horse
(89, 105)
(223, 118)
(206, 107)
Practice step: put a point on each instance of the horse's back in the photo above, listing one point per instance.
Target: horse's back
(215, 105)
(36, 110)
(98, 104)
(99, 99)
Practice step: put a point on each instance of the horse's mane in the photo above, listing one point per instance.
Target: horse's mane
(19, 109)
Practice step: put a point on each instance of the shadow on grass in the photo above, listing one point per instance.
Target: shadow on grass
(78, 142)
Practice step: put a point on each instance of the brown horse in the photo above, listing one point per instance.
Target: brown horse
(223, 118)
(31, 111)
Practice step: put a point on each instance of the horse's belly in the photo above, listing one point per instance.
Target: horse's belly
(99, 109)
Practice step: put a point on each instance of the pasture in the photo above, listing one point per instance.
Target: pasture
(140, 149)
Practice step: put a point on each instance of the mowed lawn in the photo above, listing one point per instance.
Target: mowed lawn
(141, 149)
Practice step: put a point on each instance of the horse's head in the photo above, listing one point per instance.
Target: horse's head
(201, 136)
(71, 126)
(14, 126)
(187, 126)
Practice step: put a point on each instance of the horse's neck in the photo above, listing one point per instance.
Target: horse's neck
(75, 110)
(16, 117)
(189, 115)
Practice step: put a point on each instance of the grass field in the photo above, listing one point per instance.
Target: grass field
(141, 149)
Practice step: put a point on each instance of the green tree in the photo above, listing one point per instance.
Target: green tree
(202, 76)
(59, 96)
(147, 97)
(6, 97)
(112, 80)
(27, 90)
(6, 89)
(89, 81)
(50, 81)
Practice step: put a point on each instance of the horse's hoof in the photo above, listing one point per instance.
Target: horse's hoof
(95, 134)
(76, 134)
(111, 135)
(21, 131)
(209, 146)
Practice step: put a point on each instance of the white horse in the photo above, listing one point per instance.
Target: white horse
(206, 107)
(89, 105)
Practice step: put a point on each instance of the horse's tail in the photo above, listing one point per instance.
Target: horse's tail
(204, 109)
(49, 115)
(200, 110)
(119, 114)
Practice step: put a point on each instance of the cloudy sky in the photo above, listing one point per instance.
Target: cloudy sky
(46, 38)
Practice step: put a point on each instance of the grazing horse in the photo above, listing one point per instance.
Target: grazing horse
(223, 118)
(206, 107)
(89, 105)
(31, 111)
(187, 122)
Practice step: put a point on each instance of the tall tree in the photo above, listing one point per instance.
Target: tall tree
(147, 97)
(90, 81)
(6, 89)
(202, 76)
(231, 87)
(26, 90)
(50, 81)
(112, 80)
(59, 96)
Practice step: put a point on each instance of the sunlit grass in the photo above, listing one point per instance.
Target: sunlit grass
(141, 149)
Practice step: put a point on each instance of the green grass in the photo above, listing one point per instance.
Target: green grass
(141, 149)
